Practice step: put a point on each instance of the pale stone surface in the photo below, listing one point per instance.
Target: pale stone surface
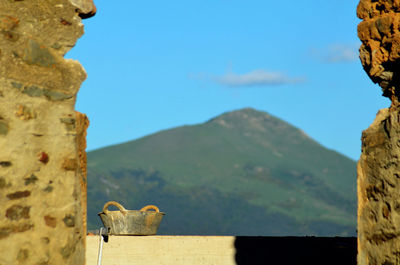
(166, 250)
(378, 191)
(42, 138)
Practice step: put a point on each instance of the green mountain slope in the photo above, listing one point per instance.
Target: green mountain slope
(242, 173)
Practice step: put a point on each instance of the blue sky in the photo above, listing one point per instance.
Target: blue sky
(154, 65)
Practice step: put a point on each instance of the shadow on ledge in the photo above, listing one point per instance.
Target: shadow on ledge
(296, 250)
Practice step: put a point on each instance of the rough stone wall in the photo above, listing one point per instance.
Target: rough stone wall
(379, 165)
(42, 138)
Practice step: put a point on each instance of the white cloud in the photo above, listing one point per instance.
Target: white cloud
(337, 53)
(256, 78)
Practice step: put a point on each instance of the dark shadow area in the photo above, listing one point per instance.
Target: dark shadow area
(296, 250)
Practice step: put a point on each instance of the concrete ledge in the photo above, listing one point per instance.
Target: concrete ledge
(229, 250)
(157, 250)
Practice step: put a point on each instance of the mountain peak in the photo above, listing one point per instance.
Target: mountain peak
(247, 118)
(245, 111)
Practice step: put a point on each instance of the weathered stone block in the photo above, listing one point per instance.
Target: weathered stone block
(18, 212)
(50, 221)
(38, 54)
(18, 195)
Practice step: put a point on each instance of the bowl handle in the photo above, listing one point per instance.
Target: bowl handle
(120, 207)
(150, 207)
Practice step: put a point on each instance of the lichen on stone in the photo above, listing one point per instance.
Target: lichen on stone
(35, 91)
(48, 189)
(68, 249)
(69, 220)
(36, 53)
(23, 254)
(31, 179)
(69, 123)
(3, 127)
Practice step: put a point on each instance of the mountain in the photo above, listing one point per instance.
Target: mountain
(244, 172)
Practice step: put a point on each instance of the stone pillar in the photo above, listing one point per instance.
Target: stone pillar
(42, 138)
(379, 165)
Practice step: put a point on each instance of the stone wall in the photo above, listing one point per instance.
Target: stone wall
(379, 164)
(42, 138)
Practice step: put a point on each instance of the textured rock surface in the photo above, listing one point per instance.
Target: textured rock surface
(380, 50)
(42, 138)
(378, 191)
(379, 165)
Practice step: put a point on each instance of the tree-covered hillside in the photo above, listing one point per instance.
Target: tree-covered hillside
(242, 173)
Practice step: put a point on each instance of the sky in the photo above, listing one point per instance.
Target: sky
(155, 65)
